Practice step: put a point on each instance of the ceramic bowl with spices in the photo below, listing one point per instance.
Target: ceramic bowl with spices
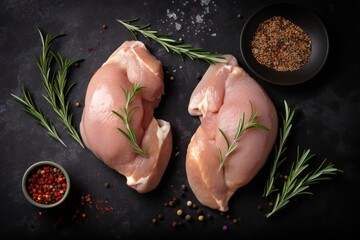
(46, 184)
(284, 44)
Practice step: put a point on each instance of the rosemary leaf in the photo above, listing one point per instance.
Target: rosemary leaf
(33, 110)
(231, 147)
(170, 44)
(284, 133)
(126, 115)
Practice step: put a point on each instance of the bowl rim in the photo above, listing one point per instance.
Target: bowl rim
(36, 165)
(289, 5)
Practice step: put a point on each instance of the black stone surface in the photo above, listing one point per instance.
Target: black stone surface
(327, 122)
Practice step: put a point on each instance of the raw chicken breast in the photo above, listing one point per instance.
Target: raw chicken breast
(130, 63)
(220, 99)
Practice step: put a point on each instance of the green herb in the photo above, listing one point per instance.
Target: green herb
(280, 149)
(33, 110)
(168, 43)
(296, 184)
(240, 130)
(55, 82)
(298, 180)
(126, 115)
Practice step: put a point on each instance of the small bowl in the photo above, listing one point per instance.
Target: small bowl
(306, 20)
(63, 190)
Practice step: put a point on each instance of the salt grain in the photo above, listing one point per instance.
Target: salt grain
(177, 26)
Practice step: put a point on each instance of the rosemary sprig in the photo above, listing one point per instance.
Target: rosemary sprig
(55, 82)
(240, 130)
(33, 110)
(168, 43)
(296, 184)
(279, 149)
(126, 115)
(61, 92)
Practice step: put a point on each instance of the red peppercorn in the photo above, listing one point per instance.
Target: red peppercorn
(41, 185)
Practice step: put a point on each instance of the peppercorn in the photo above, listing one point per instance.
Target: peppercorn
(179, 212)
(171, 203)
(183, 187)
(187, 217)
(235, 220)
(225, 228)
(172, 78)
(160, 217)
(107, 185)
(201, 218)
(173, 223)
(189, 203)
(77, 104)
(41, 184)
(154, 220)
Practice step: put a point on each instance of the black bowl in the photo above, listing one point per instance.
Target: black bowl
(300, 16)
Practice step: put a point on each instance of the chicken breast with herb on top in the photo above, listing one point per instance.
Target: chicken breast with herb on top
(237, 133)
(113, 123)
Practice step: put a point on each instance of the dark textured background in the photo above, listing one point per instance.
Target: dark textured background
(327, 122)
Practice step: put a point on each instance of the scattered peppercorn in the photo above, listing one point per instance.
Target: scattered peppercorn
(172, 78)
(77, 104)
(174, 224)
(225, 228)
(201, 218)
(228, 216)
(199, 211)
(107, 185)
(104, 26)
(160, 217)
(187, 217)
(189, 203)
(238, 15)
(179, 212)
(183, 187)
(171, 203)
(194, 206)
(259, 207)
(83, 215)
(285, 177)
(235, 220)
(155, 221)
(270, 204)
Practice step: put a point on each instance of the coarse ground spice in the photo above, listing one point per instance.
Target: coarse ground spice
(281, 45)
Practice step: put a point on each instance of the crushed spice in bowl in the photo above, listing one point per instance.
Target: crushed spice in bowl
(284, 44)
(46, 184)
